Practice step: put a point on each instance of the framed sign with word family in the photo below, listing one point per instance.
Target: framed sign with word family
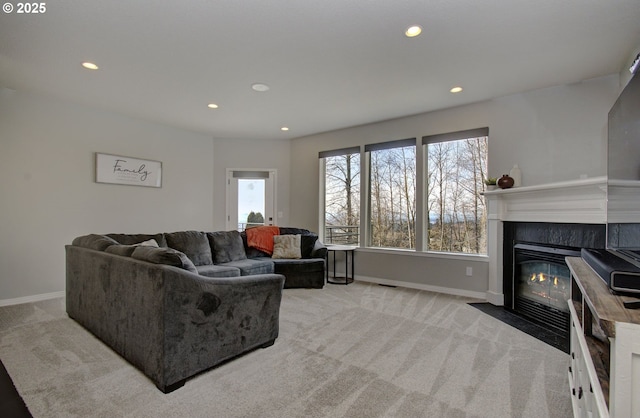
(118, 169)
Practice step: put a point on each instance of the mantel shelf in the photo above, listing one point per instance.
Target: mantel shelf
(600, 182)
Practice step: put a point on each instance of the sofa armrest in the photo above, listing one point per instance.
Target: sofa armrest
(319, 250)
(210, 320)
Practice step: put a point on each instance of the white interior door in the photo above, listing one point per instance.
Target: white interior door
(250, 198)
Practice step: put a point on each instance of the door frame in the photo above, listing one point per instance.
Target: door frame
(270, 191)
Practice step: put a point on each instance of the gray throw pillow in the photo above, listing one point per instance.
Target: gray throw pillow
(94, 242)
(167, 256)
(130, 239)
(127, 250)
(227, 246)
(193, 244)
(118, 249)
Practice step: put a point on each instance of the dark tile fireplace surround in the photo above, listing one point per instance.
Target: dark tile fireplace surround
(535, 277)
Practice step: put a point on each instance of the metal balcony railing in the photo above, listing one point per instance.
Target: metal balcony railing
(342, 234)
(244, 225)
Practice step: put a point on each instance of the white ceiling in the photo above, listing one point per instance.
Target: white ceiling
(330, 63)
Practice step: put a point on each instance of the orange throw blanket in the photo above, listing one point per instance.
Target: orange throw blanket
(261, 237)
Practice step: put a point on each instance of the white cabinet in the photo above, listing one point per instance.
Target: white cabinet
(604, 376)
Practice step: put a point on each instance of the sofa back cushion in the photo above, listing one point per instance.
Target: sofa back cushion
(130, 239)
(308, 239)
(193, 244)
(251, 251)
(226, 246)
(288, 230)
(94, 242)
(167, 256)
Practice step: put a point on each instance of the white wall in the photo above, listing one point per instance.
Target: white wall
(48, 193)
(553, 134)
(251, 154)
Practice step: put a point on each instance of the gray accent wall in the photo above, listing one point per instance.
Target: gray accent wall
(553, 134)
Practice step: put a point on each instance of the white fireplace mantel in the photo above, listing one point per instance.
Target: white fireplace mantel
(579, 201)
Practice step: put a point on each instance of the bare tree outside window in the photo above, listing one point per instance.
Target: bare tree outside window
(456, 211)
(393, 203)
(342, 199)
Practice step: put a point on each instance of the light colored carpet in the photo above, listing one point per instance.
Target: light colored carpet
(344, 351)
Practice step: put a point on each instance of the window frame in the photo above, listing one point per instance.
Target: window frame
(322, 156)
(440, 138)
(368, 225)
(421, 170)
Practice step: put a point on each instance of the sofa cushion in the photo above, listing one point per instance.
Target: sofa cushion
(251, 266)
(167, 256)
(194, 244)
(215, 270)
(286, 246)
(226, 246)
(130, 239)
(94, 242)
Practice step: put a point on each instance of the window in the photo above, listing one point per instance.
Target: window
(392, 194)
(450, 168)
(456, 165)
(341, 196)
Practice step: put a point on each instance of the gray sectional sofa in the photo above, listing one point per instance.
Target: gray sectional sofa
(173, 306)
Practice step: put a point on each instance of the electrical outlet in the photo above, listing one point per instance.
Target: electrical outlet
(469, 271)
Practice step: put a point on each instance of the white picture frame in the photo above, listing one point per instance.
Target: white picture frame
(119, 169)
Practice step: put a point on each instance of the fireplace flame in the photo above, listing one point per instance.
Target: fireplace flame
(541, 278)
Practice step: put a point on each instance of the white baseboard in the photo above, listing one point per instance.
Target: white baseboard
(420, 286)
(33, 298)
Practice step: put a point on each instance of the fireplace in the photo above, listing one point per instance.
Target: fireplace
(541, 284)
(536, 279)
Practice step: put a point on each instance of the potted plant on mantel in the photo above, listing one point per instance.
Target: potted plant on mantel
(490, 182)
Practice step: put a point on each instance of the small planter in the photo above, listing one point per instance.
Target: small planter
(490, 182)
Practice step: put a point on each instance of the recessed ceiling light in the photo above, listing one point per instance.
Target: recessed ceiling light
(284, 128)
(259, 87)
(212, 106)
(413, 31)
(456, 89)
(89, 66)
